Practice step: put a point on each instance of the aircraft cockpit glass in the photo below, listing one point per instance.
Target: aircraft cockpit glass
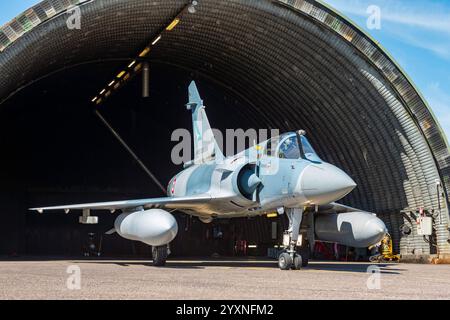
(289, 149)
(308, 150)
(271, 146)
(287, 146)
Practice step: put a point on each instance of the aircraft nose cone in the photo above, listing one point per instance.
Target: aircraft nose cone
(325, 183)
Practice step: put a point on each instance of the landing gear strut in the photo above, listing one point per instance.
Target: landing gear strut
(160, 255)
(290, 258)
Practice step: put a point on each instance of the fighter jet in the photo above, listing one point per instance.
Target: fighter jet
(282, 175)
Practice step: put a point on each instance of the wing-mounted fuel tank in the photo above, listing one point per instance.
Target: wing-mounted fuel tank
(154, 227)
(354, 229)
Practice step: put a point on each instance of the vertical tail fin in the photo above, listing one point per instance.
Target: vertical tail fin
(205, 144)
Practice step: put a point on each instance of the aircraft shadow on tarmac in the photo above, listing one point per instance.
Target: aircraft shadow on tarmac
(202, 264)
(354, 267)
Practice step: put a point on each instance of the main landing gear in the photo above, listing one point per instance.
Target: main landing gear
(291, 258)
(160, 255)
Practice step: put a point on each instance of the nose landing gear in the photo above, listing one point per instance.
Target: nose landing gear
(285, 261)
(290, 258)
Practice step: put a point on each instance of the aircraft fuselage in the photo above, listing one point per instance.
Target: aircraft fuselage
(252, 184)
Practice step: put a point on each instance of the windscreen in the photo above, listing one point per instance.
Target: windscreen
(308, 150)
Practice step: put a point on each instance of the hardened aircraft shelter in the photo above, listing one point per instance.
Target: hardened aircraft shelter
(287, 64)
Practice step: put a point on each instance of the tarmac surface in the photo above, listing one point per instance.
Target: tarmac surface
(219, 279)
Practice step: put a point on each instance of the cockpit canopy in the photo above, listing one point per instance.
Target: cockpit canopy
(291, 145)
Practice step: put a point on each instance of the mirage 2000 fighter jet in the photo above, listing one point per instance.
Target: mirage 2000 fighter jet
(283, 175)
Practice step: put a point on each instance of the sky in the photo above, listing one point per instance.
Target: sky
(415, 32)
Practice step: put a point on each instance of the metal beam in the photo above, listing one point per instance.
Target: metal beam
(131, 152)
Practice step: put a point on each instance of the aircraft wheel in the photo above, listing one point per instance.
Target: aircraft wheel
(284, 261)
(298, 262)
(305, 253)
(159, 256)
(305, 262)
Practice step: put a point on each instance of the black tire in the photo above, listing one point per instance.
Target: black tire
(284, 261)
(305, 262)
(298, 262)
(305, 253)
(159, 256)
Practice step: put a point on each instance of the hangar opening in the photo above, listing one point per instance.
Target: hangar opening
(259, 64)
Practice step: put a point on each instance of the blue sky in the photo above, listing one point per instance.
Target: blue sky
(415, 32)
(11, 9)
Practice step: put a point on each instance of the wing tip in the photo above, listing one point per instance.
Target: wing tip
(39, 210)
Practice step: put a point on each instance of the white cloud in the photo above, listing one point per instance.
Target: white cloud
(426, 15)
(424, 25)
(439, 46)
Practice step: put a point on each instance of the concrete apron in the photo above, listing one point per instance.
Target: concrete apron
(426, 258)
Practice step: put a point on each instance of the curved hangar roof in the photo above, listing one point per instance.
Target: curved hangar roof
(296, 64)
